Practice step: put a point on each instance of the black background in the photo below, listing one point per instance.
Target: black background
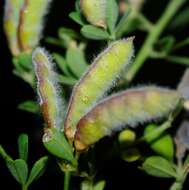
(119, 175)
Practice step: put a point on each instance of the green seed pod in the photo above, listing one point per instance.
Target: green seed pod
(50, 101)
(162, 145)
(99, 78)
(31, 23)
(130, 107)
(95, 11)
(11, 22)
(55, 142)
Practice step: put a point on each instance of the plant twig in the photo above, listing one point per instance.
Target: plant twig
(67, 176)
(152, 37)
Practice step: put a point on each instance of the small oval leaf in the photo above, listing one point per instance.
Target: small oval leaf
(162, 144)
(76, 16)
(37, 170)
(19, 170)
(76, 61)
(94, 33)
(159, 167)
(29, 106)
(23, 146)
(112, 14)
(99, 185)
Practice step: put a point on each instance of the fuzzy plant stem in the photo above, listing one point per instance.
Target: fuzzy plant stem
(152, 37)
(67, 177)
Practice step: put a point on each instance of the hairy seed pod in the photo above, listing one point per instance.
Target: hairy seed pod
(31, 23)
(99, 78)
(11, 22)
(47, 87)
(95, 11)
(127, 108)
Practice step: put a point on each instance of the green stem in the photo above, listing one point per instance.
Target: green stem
(146, 25)
(176, 186)
(152, 37)
(24, 187)
(156, 132)
(67, 176)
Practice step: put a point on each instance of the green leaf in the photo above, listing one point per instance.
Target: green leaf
(23, 146)
(56, 143)
(77, 5)
(186, 162)
(162, 145)
(86, 185)
(120, 28)
(99, 185)
(29, 106)
(54, 41)
(76, 61)
(159, 167)
(37, 170)
(95, 33)
(23, 68)
(112, 14)
(178, 59)
(61, 62)
(166, 43)
(181, 44)
(76, 16)
(25, 60)
(180, 20)
(18, 169)
(68, 32)
(66, 80)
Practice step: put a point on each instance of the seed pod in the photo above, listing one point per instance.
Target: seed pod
(11, 22)
(130, 107)
(31, 23)
(47, 87)
(95, 11)
(96, 81)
